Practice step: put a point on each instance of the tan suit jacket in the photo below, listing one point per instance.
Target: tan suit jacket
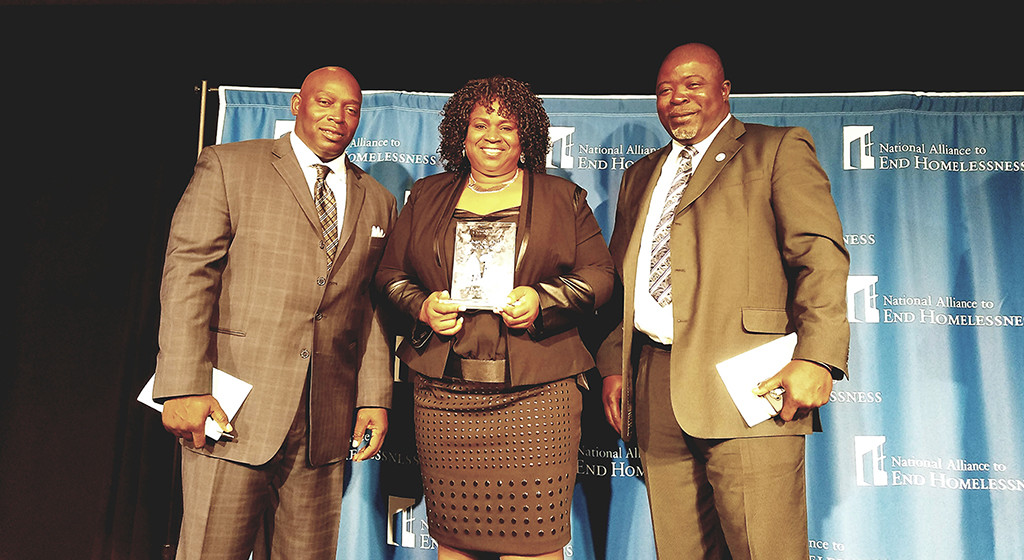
(246, 289)
(757, 252)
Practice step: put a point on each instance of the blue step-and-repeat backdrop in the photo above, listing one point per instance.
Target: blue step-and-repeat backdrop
(923, 450)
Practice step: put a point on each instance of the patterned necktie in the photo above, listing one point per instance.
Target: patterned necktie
(327, 208)
(660, 284)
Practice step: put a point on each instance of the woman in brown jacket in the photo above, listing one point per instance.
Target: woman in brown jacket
(497, 407)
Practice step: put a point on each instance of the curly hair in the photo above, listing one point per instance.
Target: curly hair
(515, 101)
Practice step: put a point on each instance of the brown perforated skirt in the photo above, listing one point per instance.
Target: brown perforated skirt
(498, 466)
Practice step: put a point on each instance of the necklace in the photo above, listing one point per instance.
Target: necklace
(472, 185)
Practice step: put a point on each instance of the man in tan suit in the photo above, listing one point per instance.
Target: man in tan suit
(748, 247)
(267, 277)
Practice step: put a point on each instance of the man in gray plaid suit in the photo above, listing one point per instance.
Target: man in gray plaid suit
(267, 277)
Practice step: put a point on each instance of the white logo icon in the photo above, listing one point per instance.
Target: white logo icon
(870, 461)
(857, 142)
(400, 522)
(861, 299)
(561, 146)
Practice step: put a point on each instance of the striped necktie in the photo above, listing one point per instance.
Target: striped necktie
(327, 209)
(660, 285)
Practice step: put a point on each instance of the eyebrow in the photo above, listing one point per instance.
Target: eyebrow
(336, 97)
(500, 121)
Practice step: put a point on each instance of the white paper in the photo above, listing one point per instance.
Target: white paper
(229, 391)
(743, 372)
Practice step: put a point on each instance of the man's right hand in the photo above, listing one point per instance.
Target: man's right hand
(611, 396)
(185, 417)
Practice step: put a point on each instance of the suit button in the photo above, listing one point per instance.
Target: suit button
(321, 281)
(318, 316)
(304, 354)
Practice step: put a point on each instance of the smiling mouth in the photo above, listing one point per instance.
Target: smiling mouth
(332, 134)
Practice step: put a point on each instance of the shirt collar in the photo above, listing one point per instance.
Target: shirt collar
(307, 158)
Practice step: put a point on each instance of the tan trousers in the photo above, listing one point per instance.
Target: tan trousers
(284, 509)
(742, 498)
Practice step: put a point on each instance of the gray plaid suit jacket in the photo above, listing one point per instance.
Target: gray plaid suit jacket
(246, 289)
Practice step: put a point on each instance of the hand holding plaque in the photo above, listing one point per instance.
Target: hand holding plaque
(522, 308)
(441, 314)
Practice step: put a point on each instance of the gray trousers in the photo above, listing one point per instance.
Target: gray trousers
(284, 509)
(742, 498)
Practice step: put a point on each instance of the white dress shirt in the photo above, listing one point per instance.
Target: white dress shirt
(649, 317)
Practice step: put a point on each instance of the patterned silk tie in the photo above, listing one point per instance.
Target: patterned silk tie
(327, 208)
(660, 284)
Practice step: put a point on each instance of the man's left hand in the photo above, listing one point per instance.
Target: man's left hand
(375, 420)
(807, 386)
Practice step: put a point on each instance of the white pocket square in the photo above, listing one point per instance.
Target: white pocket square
(376, 231)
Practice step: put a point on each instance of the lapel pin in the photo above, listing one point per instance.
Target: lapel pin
(720, 156)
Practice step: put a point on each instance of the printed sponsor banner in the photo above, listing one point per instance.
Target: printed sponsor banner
(923, 450)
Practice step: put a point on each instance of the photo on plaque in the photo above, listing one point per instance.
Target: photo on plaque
(484, 264)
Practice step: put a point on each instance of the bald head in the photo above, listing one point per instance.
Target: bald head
(318, 77)
(327, 110)
(695, 52)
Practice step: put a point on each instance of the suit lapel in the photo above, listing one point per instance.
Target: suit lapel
(288, 167)
(719, 154)
(524, 221)
(354, 196)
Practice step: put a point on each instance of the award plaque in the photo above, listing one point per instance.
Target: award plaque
(484, 264)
